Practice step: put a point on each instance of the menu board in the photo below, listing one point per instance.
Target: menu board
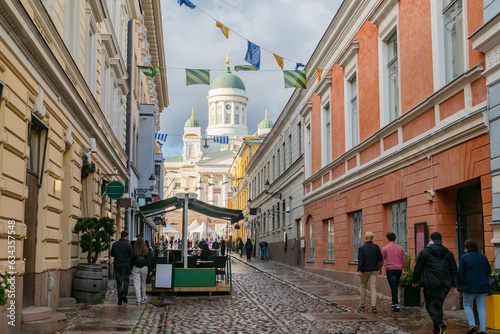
(164, 276)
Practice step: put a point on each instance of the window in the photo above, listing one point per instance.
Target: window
(399, 225)
(274, 168)
(228, 118)
(392, 72)
(105, 90)
(1, 91)
(219, 118)
(354, 135)
(284, 157)
(237, 108)
(299, 138)
(264, 224)
(327, 133)
(329, 239)
(177, 185)
(454, 39)
(36, 131)
(267, 171)
(219, 107)
(491, 9)
(237, 118)
(278, 172)
(289, 150)
(243, 117)
(357, 233)
(278, 223)
(308, 151)
(90, 52)
(274, 222)
(311, 242)
(284, 213)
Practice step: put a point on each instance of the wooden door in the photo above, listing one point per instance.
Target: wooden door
(29, 249)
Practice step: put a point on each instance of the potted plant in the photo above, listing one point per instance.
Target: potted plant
(410, 296)
(87, 167)
(88, 280)
(5, 286)
(493, 302)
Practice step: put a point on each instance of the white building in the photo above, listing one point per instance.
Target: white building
(204, 163)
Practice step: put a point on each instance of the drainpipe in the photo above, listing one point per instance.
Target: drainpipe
(129, 114)
(50, 286)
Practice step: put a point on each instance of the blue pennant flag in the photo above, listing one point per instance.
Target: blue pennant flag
(161, 136)
(253, 54)
(187, 3)
(234, 189)
(299, 65)
(221, 139)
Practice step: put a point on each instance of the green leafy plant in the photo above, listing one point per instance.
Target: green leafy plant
(410, 264)
(96, 235)
(5, 286)
(87, 167)
(496, 273)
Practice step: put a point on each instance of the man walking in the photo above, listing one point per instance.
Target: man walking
(122, 252)
(263, 249)
(229, 244)
(248, 249)
(369, 264)
(395, 266)
(436, 271)
(222, 246)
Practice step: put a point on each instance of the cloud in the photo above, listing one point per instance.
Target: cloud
(289, 28)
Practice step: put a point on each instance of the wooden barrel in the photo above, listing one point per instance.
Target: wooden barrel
(88, 283)
(105, 279)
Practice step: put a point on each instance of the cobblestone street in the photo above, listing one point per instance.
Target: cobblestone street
(267, 297)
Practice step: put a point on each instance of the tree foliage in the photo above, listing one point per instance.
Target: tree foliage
(96, 235)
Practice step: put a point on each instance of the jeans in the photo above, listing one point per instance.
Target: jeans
(122, 275)
(249, 254)
(263, 251)
(393, 277)
(481, 309)
(139, 275)
(369, 276)
(434, 305)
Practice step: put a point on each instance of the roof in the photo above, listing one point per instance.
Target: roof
(217, 154)
(266, 123)
(192, 122)
(174, 159)
(227, 80)
(195, 205)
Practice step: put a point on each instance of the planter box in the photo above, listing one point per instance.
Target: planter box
(493, 311)
(409, 296)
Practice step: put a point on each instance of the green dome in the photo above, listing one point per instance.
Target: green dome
(227, 80)
(265, 124)
(192, 122)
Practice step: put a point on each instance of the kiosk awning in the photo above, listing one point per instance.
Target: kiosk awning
(195, 205)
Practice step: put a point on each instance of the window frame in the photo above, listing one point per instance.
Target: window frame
(398, 223)
(357, 226)
(311, 241)
(458, 52)
(330, 239)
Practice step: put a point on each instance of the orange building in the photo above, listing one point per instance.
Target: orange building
(396, 132)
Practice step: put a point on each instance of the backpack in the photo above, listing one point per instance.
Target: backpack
(140, 260)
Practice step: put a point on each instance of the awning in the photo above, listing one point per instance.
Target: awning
(195, 205)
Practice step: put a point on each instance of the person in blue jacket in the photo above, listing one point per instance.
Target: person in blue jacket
(248, 249)
(473, 280)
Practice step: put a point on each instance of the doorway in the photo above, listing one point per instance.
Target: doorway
(469, 211)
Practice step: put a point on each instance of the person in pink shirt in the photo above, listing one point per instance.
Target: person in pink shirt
(395, 266)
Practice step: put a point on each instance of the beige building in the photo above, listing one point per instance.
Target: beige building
(63, 98)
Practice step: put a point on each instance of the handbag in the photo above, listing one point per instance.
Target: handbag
(493, 282)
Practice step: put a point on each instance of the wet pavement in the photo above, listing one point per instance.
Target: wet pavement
(267, 297)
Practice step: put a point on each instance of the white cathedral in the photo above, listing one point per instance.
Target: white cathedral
(204, 164)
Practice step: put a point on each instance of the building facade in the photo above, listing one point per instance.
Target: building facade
(63, 83)
(396, 136)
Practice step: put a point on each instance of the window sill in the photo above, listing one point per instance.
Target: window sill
(329, 261)
(310, 261)
(352, 262)
(289, 226)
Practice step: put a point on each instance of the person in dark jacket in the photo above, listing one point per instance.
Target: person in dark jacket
(248, 249)
(436, 272)
(205, 252)
(122, 252)
(222, 247)
(369, 264)
(473, 273)
(240, 247)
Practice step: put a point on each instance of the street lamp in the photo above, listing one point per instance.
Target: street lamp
(138, 192)
(267, 185)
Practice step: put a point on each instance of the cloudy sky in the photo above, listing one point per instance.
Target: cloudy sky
(289, 28)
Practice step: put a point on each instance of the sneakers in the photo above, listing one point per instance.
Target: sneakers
(138, 302)
(472, 330)
(442, 329)
(125, 300)
(395, 308)
(361, 307)
(374, 309)
(144, 300)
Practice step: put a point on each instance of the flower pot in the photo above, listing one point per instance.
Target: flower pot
(410, 296)
(88, 283)
(493, 311)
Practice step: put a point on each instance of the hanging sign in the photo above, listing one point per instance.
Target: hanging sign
(115, 189)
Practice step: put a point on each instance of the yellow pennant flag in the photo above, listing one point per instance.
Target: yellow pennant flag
(319, 73)
(279, 60)
(223, 28)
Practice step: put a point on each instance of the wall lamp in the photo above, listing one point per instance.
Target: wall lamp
(138, 192)
(429, 195)
(266, 190)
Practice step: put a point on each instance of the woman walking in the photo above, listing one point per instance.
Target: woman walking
(473, 280)
(140, 269)
(248, 249)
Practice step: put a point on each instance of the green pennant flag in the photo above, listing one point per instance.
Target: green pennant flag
(245, 68)
(295, 79)
(197, 77)
(149, 71)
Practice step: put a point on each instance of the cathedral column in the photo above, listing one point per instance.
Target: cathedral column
(224, 190)
(211, 189)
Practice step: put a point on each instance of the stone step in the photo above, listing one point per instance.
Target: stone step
(36, 313)
(54, 323)
(66, 302)
(71, 309)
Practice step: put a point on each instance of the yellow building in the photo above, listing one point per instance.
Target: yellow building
(63, 89)
(240, 185)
